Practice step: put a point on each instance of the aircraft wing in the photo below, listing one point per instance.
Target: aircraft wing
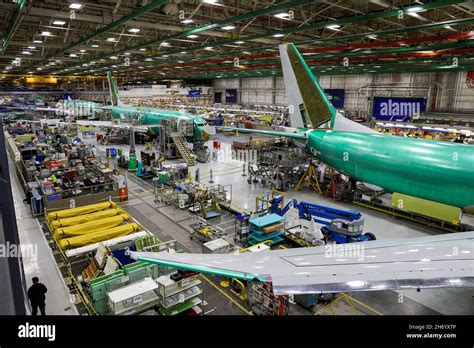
(265, 132)
(137, 128)
(425, 262)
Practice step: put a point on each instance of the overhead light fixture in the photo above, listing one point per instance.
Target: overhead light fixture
(183, 52)
(208, 48)
(278, 35)
(142, 49)
(333, 26)
(31, 47)
(187, 21)
(126, 54)
(239, 42)
(73, 55)
(372, 36)
(95, 46)
(212, 2)
(165, 44)
(26, 52)
(59, 22)
(46, 33)
(75, 6)
(82, 51)
(282, 15)
(228, 27)
(113, 57)
(111, 39)
(192, 36)
(39, 68)
(37, 41)
(134, 30)
(415, 9)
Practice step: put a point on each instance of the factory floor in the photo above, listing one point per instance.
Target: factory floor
(168, 222)
(404, 302)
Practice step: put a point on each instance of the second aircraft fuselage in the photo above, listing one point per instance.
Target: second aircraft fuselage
(153, 117)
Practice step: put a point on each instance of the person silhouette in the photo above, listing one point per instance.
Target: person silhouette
(36, 295)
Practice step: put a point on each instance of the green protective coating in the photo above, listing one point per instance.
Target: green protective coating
(318, 108)
(152, 116)
(434, 170)
(207, 270)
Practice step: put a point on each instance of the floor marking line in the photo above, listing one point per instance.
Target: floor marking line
(227, 295)
(328, 306)
(350, 304)
(363, 304)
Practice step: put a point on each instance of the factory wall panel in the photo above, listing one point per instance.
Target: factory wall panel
(454, 93)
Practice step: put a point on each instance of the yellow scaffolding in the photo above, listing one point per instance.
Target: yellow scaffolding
(310, 176)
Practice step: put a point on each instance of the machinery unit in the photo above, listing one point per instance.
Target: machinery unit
(266, 228)
(340, 226)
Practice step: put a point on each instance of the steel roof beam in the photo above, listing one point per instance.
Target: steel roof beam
(458, 36)
(185, 33)
(142, 10)
(319, 25)
(13, 25)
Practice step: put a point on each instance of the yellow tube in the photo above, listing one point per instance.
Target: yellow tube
(99, 236)
(81, 210)
(92, 226)
(85, 218)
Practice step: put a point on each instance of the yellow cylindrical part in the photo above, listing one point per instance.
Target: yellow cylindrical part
(99, 236)
(91, 226)
(85, 218)
(81, 210)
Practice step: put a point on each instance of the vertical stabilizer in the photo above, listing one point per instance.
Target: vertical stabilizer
(309, 105)
(114, 98)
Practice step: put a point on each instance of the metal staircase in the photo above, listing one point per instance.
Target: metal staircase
(183, 149)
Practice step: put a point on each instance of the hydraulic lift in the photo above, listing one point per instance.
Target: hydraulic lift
(339, 226)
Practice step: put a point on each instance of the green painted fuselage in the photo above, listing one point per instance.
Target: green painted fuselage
(434, 170)
(153, 116)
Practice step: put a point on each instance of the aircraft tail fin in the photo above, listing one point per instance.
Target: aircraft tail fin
(114, 97)
(309, 105)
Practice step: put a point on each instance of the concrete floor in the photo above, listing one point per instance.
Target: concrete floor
(170, 223)
(41, 265)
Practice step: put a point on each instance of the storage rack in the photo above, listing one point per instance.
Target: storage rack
(178, 296)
